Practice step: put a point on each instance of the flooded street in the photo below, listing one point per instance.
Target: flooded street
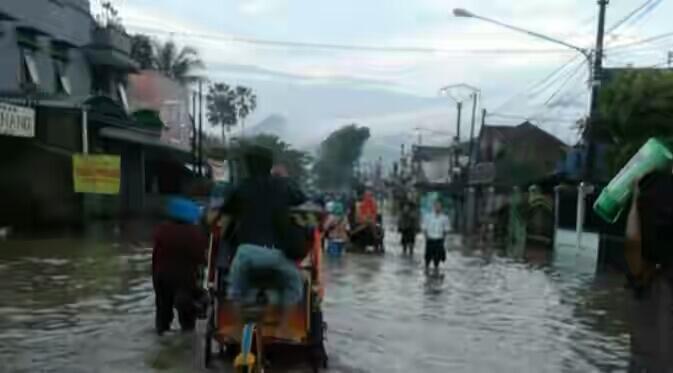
(87, 306)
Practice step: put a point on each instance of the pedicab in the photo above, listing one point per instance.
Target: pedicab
(367, 234)
(367, 226)
(250, 335)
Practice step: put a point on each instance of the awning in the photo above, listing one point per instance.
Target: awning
(112, 58)
(32, 30)
(149, 119)
(140, 137)
(6, 16)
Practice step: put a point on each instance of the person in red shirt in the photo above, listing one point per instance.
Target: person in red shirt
(179, 252)
(368, 211)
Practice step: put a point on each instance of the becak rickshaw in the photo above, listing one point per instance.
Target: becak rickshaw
(367, 226)
(253, 336)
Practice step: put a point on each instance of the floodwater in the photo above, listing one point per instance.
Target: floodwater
(86, 305)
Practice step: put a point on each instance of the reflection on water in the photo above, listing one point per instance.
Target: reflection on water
(82, 306)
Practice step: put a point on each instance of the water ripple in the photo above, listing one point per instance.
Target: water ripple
(74, 305)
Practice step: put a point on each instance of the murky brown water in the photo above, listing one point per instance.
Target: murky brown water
(74, 305)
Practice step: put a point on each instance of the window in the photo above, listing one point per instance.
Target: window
(101, 81)
(121, 91)
(29, 72)
(62, 80)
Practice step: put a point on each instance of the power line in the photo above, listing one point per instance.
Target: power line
(645, 13)
(536, 84)
(524, 117)
(347, 47)
(571, 76)
(642, 41)
(634, 13)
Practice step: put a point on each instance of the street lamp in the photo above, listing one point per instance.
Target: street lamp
(587, 53)
(458, 12)
(475, 93)
(594, 64)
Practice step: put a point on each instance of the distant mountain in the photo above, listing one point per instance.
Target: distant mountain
(274, 124)
(312, 109)
(386, 147)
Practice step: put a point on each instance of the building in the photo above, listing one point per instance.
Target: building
(441, 170)
(166, 170)
(64, 76)
(508, 157)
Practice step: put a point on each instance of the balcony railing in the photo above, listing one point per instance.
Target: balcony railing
(111, 37)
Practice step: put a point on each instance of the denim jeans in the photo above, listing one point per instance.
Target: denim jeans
(290, 287)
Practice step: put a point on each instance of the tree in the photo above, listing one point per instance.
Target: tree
(177, 63)
(142, 51)
(245, 102)
(338, 155)
(634, 106)
(109, 17)
(296, 161)
(221, 110)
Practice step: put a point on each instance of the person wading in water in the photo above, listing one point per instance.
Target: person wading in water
(408, 228)
(435, 228)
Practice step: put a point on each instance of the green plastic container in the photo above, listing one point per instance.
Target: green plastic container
(651, 156)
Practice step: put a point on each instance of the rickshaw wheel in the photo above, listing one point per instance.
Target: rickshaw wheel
(203, 340)
(202, 344)
(318, 354)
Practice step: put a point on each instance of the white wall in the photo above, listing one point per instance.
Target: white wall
(437, 170)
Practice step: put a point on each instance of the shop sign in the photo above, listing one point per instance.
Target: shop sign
(96, 173)
(16, 121)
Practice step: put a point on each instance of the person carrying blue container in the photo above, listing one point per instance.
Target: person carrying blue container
(179, 251)
(336, 228)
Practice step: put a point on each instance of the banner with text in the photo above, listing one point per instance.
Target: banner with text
(17, 121)
(98, 174)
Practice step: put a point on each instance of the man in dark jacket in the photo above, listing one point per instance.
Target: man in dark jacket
(260, 209)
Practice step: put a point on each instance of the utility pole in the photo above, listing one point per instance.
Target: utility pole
(596, 79)
(483, 123)
(474, 113)
(195, 133)
(200, 127)
(459, 109)
(670, 58)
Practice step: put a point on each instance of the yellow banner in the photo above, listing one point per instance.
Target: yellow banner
(99, 174)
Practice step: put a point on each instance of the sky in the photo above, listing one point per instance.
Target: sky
(381, 63)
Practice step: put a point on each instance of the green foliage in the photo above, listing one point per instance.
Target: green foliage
(149, 119)
(176, 63)
(635, 106)
(296, 161)
(245, 102)
(338, 154)
(227, 105)
(220, 107)
(142, 51)
(109, 17)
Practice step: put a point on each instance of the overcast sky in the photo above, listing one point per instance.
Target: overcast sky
(409, 48)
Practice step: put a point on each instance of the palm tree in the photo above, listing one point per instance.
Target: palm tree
(177, 63)
(221, 107)
(245, 102)
(142, 51)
